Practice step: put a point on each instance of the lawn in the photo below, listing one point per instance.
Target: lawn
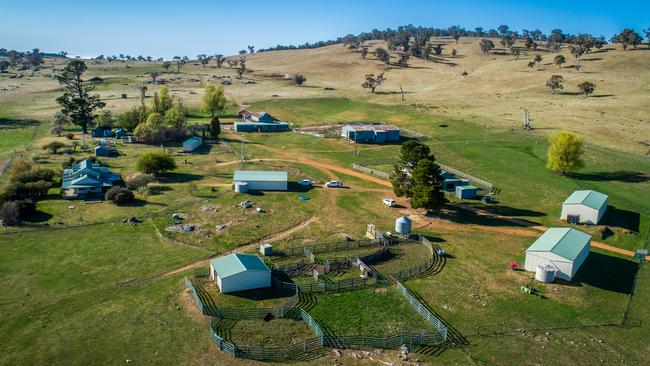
(374, 311)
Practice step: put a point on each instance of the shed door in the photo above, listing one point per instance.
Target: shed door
(573, 219)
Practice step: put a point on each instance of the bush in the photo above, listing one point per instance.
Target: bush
(155, 163)
(18, 190)
(20, 166)
(119, 195)
(70, 136)
(131, 119)
(54, 146)
(139, 180)
(34, 175)
(9, 213)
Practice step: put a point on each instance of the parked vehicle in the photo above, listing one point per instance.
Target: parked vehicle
(334, 184)
(305, 182)
(389, 202)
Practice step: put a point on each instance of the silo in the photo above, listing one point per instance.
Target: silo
(545, 273)
(241, 187)
(403, 225)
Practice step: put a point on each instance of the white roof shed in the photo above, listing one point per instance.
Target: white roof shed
(240, 272)
(584, 207)
(563, 248)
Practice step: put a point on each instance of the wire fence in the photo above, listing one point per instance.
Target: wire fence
(424, 311)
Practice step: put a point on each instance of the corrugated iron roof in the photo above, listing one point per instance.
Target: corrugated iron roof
(233, 264)
(564, 242)
(589, 198)
(258, 175)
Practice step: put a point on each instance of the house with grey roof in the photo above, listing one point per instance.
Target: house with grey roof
(259, 122)
(87, 180)
(239, 272)
(564, 249)
(584, 207)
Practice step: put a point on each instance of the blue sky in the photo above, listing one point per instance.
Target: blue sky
(168, 28)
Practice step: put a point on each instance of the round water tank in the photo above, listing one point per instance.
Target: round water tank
(403, 225)
(545, 273)
(241, 187)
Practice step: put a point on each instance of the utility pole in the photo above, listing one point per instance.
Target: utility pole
(401, 91)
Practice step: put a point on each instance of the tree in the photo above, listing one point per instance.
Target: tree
(179, 62)
(129, 120)
(564, 153)
(437, 49)
(104, 118)
(627, 37)
(515, 53)
(529, 43)
(251, 49)
(411, 152)
(119, 195)
(143, 94)
(54, 146)
(647, 35)
(166, 65)
(77, 103)
(242, 67)
(176, 116)
(154, 75)
(538, 58)
(139, 181)
(215, 128)
(503, 29)
(486, 45)
(213, 100)
(165, 100)
(4, 65)
(554, 83)
(454, 52)
(372, 81)
(364, 52)
(587, 87)
(58, 123)
(35, 59)
(559, 60)
(403, 60)
(155, 163)
(9, 213)
(531, 64)
(203, 59)
(219, 59)
(298, 79)
(426, 191)
(383, 55)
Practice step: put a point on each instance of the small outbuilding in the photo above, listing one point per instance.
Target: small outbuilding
(192, 144)
(256, 180)
(101, 150)
(565, 249)
(375, 133)
(99, 132)
(466, 192)
(119, 133)
(584, 207)
(239, 272)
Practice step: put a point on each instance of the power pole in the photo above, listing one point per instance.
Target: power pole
(401, 91)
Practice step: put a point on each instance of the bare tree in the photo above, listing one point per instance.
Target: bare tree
(298, 79)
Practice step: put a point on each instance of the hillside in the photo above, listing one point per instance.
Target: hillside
(493, 93)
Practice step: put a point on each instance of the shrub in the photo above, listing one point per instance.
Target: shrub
(9, 213)
(70, 136)
(34, 175)
(131, 119)
(139, 180)
(119, 195)
(54, 146)
(155, 163)
(20, 166)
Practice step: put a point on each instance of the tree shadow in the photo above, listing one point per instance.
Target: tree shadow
(608, 273)
(38, 216)
(17, 123)
(391, 92)
(459, 216)
(174, 177)
(626, 176)
(617, 217)
(202, 150)
(295, 187)
(512, 211)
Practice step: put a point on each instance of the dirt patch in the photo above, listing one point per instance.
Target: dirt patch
(190, 306)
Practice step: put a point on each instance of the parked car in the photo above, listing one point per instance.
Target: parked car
(305, 182)
(334, 184)
(389, 202)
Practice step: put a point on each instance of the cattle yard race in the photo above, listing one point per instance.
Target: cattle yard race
(400, 197)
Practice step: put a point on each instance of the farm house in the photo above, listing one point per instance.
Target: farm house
(256, 180)
(370, 133)
(466, 192)
(259, 122)
(239, 272)
(192, 144)
(584, 207)
(87, 180)
(565, 249)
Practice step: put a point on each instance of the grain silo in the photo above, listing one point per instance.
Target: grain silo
(403, 225)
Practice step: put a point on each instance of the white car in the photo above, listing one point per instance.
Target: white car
(389, 202)
(305, 182)
(334, 184)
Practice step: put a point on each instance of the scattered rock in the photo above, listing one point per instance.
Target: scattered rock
(208, 208)
(71, 207)
(181, 228)
(337, 353)
(220, 227)
(260, 210)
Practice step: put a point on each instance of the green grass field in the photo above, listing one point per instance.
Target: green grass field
(99, 291)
